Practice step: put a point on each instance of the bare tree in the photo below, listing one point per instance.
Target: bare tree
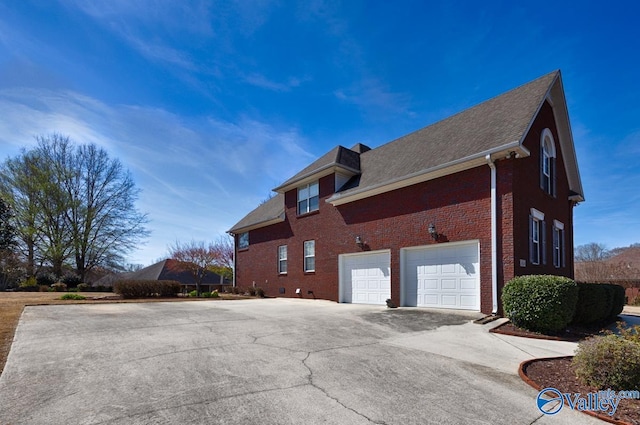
(591, 252)
(199, 257)
(72, 202)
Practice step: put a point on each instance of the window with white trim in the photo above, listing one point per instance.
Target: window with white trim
(308, 198)
(310, 256)
(537, 238)
(558, 244)
(548, 162)
(282, 259)
(243, 240)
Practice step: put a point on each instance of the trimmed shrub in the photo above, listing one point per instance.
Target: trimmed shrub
(193, 293)
(540, 303)
(594, 304)
(215, 294)
(59, 287)
(71, 296)
(84, 287)
(609, 361)
(619, 298)
(206, 294)
(147, 288)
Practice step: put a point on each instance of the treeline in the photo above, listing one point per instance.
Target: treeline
(67, 206)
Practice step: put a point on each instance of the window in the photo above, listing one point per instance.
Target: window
(547, 163)
(282, 259)
(558, 244)
(537, 238)
(308, 198)
(243, 240)
(310, 256)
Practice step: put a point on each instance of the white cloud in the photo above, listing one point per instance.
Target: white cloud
(198, 175)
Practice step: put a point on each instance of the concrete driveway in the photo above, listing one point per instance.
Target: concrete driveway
(273, 361)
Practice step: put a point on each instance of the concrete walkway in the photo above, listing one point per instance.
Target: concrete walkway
(274, 361)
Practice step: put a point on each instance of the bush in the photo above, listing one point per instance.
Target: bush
(193, 293)
(251, 291)
(215, 294)
(619, 297)
(29, 285)
(46, 279)
(206, 295)
(147, 288)
(71, 279)
(84, 287)
(260, 292)
(235, 290)
(609, 361)
(73, 297)
(541, 303)
(59, 287)
(594, 304)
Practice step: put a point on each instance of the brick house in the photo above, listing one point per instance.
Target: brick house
(442, 217)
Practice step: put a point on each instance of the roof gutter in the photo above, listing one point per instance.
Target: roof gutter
(494, 237)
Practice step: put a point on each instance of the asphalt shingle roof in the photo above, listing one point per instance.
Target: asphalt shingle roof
(486, 127)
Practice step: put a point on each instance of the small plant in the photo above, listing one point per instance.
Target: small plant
(610, 361)
(72, 296)
(193, 293)
(215, 294)
(59, 287)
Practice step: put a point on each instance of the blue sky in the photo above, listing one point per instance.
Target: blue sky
(212, 104)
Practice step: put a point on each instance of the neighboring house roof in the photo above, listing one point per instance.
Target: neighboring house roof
(490, 130)
(167, 270)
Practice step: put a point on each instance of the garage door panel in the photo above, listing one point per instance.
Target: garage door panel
(365, 278)
(442, 276)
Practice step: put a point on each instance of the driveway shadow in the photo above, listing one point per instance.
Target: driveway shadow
(417, 319)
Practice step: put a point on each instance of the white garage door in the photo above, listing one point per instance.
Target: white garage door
(444, 276)
(365, 278)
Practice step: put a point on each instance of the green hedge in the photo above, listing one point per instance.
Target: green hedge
(598, 302)
(147, 288)
(540, 303)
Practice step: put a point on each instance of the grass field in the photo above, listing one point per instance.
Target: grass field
(12, 304)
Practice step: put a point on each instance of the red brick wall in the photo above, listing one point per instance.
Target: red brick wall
(528, 194)
(458, 205)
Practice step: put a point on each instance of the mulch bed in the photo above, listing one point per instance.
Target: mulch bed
(572, 333)
(559, 373)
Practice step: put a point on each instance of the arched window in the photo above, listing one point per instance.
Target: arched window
(548, 162)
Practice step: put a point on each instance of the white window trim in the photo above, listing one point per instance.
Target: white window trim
(280, 259)
(538, 215)
(558, 244)
(308, 198)
(558, 224)
(305, 256)
(535, 241)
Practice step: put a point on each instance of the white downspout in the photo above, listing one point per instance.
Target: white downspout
(494, 237)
